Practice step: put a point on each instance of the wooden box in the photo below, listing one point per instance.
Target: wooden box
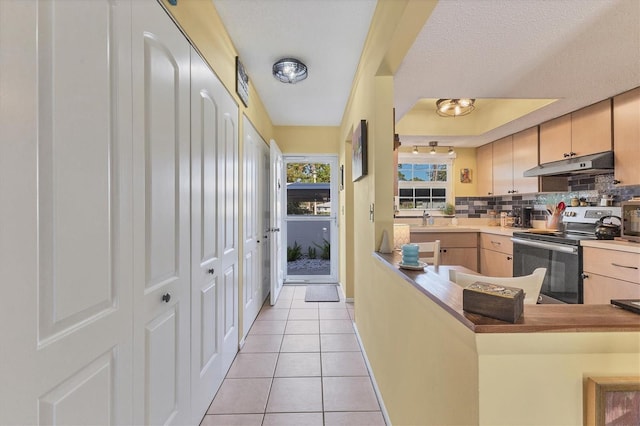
(495, 301)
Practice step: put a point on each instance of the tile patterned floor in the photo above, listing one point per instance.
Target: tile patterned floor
(300, 365)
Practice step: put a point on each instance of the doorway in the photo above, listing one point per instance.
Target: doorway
(310, 220)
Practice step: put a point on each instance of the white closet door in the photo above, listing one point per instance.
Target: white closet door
(213, 342)
(162, 267)
(65, 173)
(254, 189)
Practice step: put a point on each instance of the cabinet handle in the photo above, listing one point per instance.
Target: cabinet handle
(166, 297)
(489, 193)
(566, 155)
(443, 250)
(572, 154)
(509, 258)
(210, 271)
(584, 276)
(624, 266)
(496, 242)
(616, 182)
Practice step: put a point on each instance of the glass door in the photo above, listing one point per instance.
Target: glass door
(310, 228)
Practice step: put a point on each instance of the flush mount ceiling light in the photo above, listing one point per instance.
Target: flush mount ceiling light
(433, 145)
(289, 70)
(415, 149)
(454, 107)
(451, 151)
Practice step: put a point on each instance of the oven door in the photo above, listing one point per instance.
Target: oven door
(563, 262)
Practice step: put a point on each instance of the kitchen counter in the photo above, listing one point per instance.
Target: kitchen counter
(434, 284)
(498, 230)
(613, 245)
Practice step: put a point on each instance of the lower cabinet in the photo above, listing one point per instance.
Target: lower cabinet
(456, 248)
(496, 255)
(610, 274)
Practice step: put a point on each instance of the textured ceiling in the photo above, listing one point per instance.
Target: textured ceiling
(327, 35)
(575, 51)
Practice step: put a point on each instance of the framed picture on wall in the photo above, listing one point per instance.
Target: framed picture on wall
(359, 151)
(465, 175)
(612, 401)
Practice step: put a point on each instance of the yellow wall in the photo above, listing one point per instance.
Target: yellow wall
(307, 139)
(424, 362)
(465, 159)
(538, 378)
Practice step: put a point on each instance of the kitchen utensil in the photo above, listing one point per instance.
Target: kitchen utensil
(608, 231)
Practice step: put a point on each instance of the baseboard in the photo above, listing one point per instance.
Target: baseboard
(376, 389)
(348, 299)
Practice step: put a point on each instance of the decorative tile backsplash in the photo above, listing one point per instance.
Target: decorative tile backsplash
(589, 187)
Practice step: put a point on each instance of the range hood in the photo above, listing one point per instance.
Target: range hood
(593, 163)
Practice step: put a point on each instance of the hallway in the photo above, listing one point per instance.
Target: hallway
(300, 365)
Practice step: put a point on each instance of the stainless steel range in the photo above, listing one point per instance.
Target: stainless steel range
(560, 252)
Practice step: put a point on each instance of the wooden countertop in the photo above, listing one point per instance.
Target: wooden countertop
(434, 284)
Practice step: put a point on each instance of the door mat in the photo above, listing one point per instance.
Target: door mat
(321, 293)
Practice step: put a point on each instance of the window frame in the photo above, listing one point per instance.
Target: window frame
(406, 158)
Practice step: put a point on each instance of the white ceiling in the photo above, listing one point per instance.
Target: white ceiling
(576, 51)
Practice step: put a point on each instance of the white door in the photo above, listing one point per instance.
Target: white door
(213, 344)
(276, 193)
(311, 220)
(161, 207)
(65, 221)
(253, 193)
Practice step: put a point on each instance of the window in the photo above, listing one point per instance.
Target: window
(424, 183)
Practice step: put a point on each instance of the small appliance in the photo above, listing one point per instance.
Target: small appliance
(631, 220)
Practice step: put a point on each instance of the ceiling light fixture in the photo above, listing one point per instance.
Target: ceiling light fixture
(433, 145)
(454, 107)
(290, 70)
(451, 151)
(415, 149)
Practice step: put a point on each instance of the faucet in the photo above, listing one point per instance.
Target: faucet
(425, 216)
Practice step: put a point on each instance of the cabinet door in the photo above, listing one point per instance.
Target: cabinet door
(626, 137)
(503, 166)
(525, 157)
(555, 139)
(591, 129)
(65, 180)
(161, 123)
(599, 289)
(467, 257)
(484, 165)
(496, 264)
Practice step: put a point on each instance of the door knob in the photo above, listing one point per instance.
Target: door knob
(210, 271)
(166, 297)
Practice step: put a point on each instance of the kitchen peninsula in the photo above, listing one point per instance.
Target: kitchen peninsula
(451, 367)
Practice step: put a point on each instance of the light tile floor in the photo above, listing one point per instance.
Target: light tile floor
(301, 364)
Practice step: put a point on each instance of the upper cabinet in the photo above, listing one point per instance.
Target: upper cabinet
(525, 157)
(626, 137)
(501, 164)
(583, 132)
(484, 161)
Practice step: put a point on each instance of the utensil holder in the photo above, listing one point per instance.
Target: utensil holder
(553, 221)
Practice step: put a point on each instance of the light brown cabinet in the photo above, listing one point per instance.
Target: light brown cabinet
(610, 274)
(484, 166)
(583, 132)
(502, 163)
(496, 255)
(626, 137)
(456, 248)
